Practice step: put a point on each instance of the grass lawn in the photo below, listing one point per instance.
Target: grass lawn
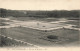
(3, 24)
(6, 42)
(39, 37)
(59, 37)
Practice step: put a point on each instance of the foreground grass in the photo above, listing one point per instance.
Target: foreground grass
(39, 37)
(6, 42)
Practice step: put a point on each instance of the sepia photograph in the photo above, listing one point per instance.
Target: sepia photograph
(39, 24)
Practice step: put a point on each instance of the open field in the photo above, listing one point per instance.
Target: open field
(42, 32)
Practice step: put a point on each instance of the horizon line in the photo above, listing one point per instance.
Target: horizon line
(40, 10)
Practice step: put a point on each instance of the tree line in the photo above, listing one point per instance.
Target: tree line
(39, 14)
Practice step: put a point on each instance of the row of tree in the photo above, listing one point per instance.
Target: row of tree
(39, 14)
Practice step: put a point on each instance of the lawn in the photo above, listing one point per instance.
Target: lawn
(6, 42)
(57, 37)
(39, 37)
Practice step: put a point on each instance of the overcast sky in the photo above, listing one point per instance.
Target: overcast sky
(40, 4)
